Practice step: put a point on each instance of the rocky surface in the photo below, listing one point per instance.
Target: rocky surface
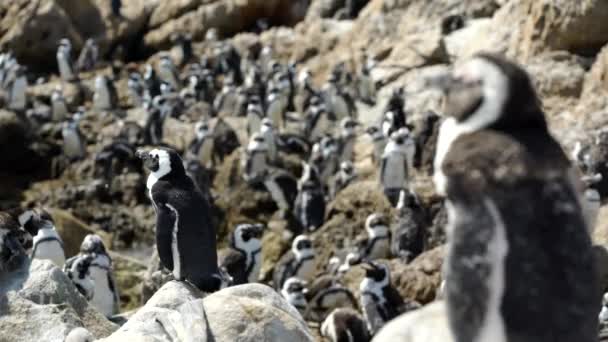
(428, 324)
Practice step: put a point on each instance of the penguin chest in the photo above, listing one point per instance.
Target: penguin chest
(175, 254)
(103, 297)
(394, 172)
(258, 163)
(379, 249)
(253, 122)
(18, 100)
(49, 250)
(72, 145)
(371, 312)
(306, 270)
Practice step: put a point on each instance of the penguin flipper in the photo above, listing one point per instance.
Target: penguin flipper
(164, 237)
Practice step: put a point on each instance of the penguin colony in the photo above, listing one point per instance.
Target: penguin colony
(503, 280)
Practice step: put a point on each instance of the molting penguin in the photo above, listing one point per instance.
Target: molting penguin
(77, 268)
(185, 235)
(105, 97)
(105, 296)
(74, 147)
(378, 243)
(14, 261)
(345, 325)
(380, 301)
(243, 259)
(310, 204)
(516, 233)
(298, 262)
(394, 167)
(47, 244)
(59, 106)
(64, 61)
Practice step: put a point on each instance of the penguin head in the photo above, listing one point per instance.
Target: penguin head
(294, 285)
(376, 225)
(347, 168)
(35, 219)
(257, 143)
(490, 91)
(348, 126)
(374, 131)
(201, 129)
(65, 43)
(376, 272)
(266, 125)
(302, 246)
(247, 237)
(93, 244)
(162, 161)
(165, 62)
(352, 258)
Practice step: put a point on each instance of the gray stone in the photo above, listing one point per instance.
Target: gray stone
(428, 324)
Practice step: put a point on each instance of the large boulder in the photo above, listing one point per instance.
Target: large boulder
(48, 307)
(428, 324)
(250, 312)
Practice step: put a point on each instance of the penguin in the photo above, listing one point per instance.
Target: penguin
(59, 106)
(77, 268)
(408, 228)
(17, 100)
(380, 301)
(343, 178)
(603, 316)
(310, 204)
(105, 97)
(325, 159)
(136, 88)
(88, 56)
(305, 92)
(324, 294)
(425, 134)
(151, 82)
(167, 72)
(345, 325)
(255, 114)
(378, 243)
(299, 262)
(243, 259)
(294, 291)
(14, 261)
(105, 296)
(225, 102)
(516, 231)
(184, 44)
(318, 123)
(203, 144)
(379, 140)
(47, 244)
(74, 144)
(336, 99)
(64, 61)
(255, 159)
(155, 121)
(185, 234)
(348, 135)
(394, 111)
(283, 189)
(366, 87)
(276, 105)
(267, 130)
(394, 175)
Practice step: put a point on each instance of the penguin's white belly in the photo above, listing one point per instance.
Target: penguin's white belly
(380, 250)
(50, 250)
(103, 297)
(254, 122)
(71, 144)
(177, 265)
(307, 270)
(394, 173)
(18, 100)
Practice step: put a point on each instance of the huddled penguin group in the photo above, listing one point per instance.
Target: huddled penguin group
(519, 264)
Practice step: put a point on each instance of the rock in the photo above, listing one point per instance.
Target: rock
(72, 92)
(49, 297)
(13, 141)
(428, 324)
(595, 88)
(420, 279)
(173, 294)
(249, 312)
(154, 278)
(73, 231)
(167, 10)
(129, 275)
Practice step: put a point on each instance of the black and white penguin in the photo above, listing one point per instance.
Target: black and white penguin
(155, 121)
(299, 262)
(47, 244)
(516, 232)
(105, 97)
(270, 137)
(283, 189)
(343, 178)
(380, 300)
(74, 144)
(88, 56)
(14, 260)
(394, 115)
(105, 296)
(225, 102)
(114, 158)
(136, 88)
(319, 122)
(408, 228)
(243, 260)
(151, 82)
(336, 98)
(346, 141)
(378, 242)
(394, 169)
(345, 325)
(59, 106)
(324, 294)
(324, 157)
(310, 204)
(64, 61)
(255, 159)
(379, 140)
(276, 106)
(185, 235)
(17, 95)
(167, 72)
(78, 269)
(203, 144)
(255, 115)
(294, 292)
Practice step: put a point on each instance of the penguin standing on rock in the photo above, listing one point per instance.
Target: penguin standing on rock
(310, 203)
(105, 296)
(185, 235)
(255, 114)
(379, 140)
(47, 243)
(520, 263)
(88, 56)
(243, 259)
(343, 178)
(202, 146)
(299, 262)
(18, 90)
